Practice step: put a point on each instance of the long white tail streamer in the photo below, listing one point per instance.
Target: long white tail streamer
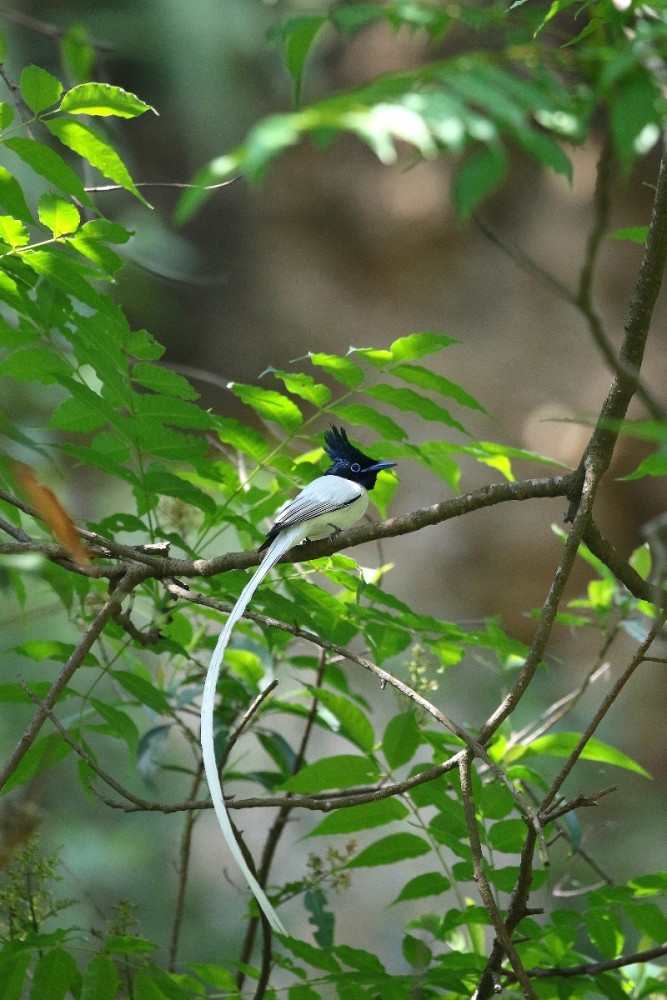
(285, 541)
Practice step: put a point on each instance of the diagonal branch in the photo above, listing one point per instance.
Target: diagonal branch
(90, 636)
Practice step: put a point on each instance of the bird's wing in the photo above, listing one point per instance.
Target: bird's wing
(323, 496)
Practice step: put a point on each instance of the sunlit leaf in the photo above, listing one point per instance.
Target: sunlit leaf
(86, 142)
(103, 99)
(269, 404)
(562, 745)
(58, 215)
(39, 89)
(13, 232)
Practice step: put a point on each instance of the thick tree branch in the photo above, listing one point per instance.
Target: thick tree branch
(487, 496)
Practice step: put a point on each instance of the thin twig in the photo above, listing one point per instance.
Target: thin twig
(549, 610)
(90, 636)
(502, 935)
(245, 719)
(595, 968)
(161, 184)
(579, 802)
(554, 713)
(611, 697)
(524, 261)
(183, 870)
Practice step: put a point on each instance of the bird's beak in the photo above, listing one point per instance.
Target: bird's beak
(379, 466)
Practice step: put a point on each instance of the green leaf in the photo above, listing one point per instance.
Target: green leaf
(77, 52)
(395, 847)
(545, 150)
(303, 386)
(604, 930)
(402, 737)
(634, 118)
(428, 884)
(562, 745)
(270, 405)
(353, 723)
(157, 480)
(143, 691)
(636, 234)
(649, 919)
(408, 401)
(340, 369)
(13, 232)
(654, 465)
(49, 649)
(245, 439)
(214, 975)
(339, 771)
(86, 142)
(358, 958)
(319, 958)
(418, 345)
(119, 724)
(48, 164)
(163, 380)
(321, 919)
(58, 215)
(99, 980)
(13, 971)
(11, 197)
(39, 89)
(124, 944)
(297, 35)
(53, 975)
(360, 415)
(66, 274)
(6, 115)
(103, 99)
(361, 817)
(173, 412)
(426, 379)
(507, 835)
(480, 174)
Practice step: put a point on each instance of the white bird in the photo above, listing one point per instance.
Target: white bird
(326, 506)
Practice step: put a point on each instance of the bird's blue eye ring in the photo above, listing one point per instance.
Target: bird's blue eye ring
(355, 467)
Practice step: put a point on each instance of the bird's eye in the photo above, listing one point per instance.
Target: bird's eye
(355, 467)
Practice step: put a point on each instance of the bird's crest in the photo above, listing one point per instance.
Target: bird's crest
(338, 446)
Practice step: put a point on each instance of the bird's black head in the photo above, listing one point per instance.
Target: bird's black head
(349, 462)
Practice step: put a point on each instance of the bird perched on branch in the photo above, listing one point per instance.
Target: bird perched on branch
(326, 506)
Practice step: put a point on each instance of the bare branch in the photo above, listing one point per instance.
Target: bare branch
(579, 802)
(622, 570)
(245, 719)
(548, 612)
(595, 968)
(611, 697)
(90, 636)
(502, 935)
